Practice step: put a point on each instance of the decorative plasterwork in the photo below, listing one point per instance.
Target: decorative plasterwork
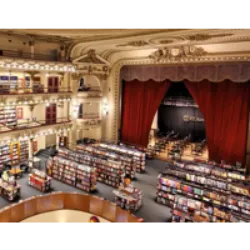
(91, 58)
(89, 94)
(93, 69)
(139, 43)
(89, 122)
(166, 41)
(176, 54)
(32, 65)
(205, 36)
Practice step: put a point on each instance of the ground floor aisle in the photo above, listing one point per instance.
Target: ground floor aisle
(147, 182)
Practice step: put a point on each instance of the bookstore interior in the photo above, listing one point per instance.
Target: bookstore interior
(153, 127)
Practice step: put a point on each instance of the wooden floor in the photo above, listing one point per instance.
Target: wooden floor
(187, 155)
(62, 216)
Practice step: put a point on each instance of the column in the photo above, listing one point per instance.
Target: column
(57, 141)
(74, 82)
(44, 81)
(62, 83)
(62, 52)
(31, 108)
(31, 153)
(32, 48)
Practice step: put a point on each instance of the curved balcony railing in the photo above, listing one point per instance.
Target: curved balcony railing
(62, 200)
(35, 90)
(36, 56)
(33, 123)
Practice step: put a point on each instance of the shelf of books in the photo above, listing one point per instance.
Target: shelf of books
(97, 151)
(8, 116)
(108, 171)
(39, 180)
(24, 151)
(15, 153)
(205, 192)
(129, 198)
(9, 189)
(72, 173)
(4, 156)
(138, 157)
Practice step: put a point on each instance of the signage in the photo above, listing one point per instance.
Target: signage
(187, 118)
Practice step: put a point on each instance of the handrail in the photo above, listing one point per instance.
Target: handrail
(66, 200)
(35, 123)
(34, 90)
(35, 56)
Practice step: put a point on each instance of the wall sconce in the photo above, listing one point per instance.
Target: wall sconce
(105, 107)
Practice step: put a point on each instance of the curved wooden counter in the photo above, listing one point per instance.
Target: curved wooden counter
(61, 200)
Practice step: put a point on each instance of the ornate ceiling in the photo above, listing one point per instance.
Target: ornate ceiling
(80, 35)
(209, 42)
(112, 45)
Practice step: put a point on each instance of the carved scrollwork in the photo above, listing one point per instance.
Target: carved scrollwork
(176, 54)
(139, 43)
(91, 123)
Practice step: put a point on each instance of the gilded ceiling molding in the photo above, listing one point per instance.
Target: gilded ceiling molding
(139, 43)
(178, 53)
(166, 41)
(204, 36)
(90, 58)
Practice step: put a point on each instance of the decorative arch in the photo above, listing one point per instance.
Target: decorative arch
(195, 69)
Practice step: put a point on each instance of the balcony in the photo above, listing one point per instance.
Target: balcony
(31, 124)
(27, 56)
(7, 90)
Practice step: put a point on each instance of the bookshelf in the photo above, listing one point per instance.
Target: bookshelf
(206, 192)
(8, 116)
(72, 173)
(9, 189)
(129, 197)
(108, 171)
(4, 156)
(15, 153)
(97, 151)
(138, 157)
(39, 180)
(24, 150)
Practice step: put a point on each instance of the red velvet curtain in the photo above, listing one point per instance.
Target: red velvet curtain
(140, 103)
(225, 107)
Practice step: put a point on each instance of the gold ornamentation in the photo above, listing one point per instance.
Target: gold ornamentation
(176, 54)
(167, 41)
(139, 43)
(91, 58)
(92, 122)
(203, 37)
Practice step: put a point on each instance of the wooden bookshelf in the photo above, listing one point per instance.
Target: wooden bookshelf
(138, 157)
(210, 192)
(72, 173)
(108, 171)
(97, 151)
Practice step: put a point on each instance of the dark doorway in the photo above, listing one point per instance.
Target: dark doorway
(53, 84)
(179, 112)
(51, 114)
